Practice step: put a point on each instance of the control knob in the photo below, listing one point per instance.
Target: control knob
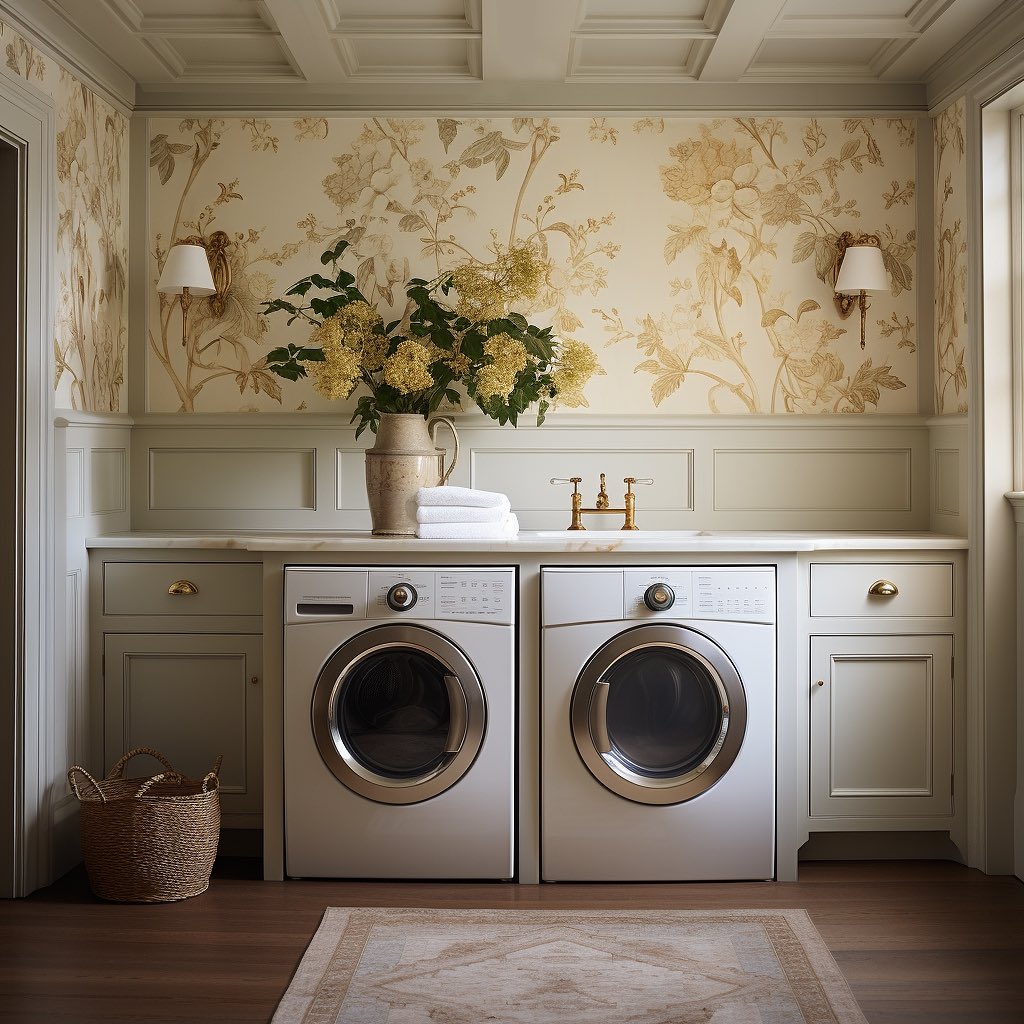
(659, 596)
(401, 597)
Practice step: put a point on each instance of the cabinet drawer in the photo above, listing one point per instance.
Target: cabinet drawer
(221, 588)
(924, 589)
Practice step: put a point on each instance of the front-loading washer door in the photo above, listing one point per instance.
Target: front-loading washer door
(398, 714)
(658, 714)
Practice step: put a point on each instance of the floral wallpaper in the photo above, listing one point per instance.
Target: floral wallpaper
(950, 260)
(92, 231)
(695, 255)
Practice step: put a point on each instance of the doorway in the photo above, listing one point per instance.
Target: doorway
(10, 223)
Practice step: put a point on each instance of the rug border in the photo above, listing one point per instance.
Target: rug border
(306, 980)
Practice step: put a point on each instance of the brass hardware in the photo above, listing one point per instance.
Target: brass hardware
(182, 588)
(216, 247)
(821, 682)
(254, 680)
(601, 507)
(883, 588)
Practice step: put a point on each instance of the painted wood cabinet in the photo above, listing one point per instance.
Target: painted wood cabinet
(181, 663)
(883, 698)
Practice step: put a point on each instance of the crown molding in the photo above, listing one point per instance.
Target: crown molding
(949, 76)
(608, 98)
(48, 30)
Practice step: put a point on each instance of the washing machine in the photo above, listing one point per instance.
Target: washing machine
(399, 722)
(658, 723)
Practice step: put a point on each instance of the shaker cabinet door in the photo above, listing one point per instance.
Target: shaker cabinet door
(881, 725)
(192, 697)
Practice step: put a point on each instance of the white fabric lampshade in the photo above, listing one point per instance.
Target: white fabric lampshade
(862, 270)
(187, 267)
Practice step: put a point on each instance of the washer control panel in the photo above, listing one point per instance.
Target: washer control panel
(315, 593)
(745, 594)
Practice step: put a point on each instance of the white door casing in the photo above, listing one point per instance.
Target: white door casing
(27, 123)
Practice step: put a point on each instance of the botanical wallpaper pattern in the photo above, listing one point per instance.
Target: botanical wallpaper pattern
(92, 231)
(696, 256)
(950, 260)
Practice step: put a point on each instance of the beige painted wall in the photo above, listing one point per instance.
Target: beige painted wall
(693, 254)
(92, 233)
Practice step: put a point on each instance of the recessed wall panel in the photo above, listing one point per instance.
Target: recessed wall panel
(232, 478)
(826, 480)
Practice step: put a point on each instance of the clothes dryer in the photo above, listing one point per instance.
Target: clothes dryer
(399, 722)
(658, 723)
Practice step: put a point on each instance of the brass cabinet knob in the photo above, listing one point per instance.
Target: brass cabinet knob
(883, 588)
(821, 682)
(182, 588)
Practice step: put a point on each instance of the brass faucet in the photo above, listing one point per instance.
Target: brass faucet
(601, 504)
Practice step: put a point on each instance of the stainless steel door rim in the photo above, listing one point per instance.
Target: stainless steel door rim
(467, 714)
(593, 733)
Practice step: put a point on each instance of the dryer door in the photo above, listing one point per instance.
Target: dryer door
(398, 714)
(658, 714)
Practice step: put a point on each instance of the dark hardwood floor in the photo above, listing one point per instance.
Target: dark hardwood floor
(917, 941)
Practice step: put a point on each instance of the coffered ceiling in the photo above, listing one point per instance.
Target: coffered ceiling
(504, 52)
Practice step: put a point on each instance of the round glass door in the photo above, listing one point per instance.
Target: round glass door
(398, 714)
(658, 714)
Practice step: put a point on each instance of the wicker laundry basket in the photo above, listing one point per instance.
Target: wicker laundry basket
(148, 840)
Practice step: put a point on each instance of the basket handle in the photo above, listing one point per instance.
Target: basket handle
(117, 772)
(144, 788)
(214, 776)
(73, 782)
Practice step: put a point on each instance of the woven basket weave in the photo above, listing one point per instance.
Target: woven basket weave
(150, 840)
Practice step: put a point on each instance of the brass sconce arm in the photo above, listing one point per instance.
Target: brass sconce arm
(859, 269)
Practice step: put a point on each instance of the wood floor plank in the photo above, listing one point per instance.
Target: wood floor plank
(918, 941)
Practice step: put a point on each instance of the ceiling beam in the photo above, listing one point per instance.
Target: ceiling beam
(527, 40)
(745, 27)
(306, 37)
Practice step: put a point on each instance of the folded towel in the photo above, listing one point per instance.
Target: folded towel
(508, 527)
(461, 514)
(460, 496)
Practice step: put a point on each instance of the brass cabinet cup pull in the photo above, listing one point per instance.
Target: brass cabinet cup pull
(182, 588)
(883, 588)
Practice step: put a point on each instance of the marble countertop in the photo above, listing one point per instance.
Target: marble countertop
(541, 541)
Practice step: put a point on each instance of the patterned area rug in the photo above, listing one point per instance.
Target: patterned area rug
(403, 966)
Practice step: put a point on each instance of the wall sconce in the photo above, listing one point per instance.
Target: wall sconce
(861, 270)
(186, 273)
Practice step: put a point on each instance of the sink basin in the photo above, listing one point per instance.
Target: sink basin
(605, 535)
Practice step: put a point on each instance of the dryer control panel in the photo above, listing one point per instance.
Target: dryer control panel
(467, 594)
(727, 593)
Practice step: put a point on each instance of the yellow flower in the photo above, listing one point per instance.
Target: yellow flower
(577, 363)
(407, 370)
(508, 357)
(338, 374)
(480, 297)
(487, 292)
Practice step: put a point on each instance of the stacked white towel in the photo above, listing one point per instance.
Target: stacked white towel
(451, 513)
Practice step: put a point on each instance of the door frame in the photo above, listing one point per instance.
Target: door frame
(27, 672)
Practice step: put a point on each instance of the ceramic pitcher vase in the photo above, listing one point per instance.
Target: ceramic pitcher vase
(403, 459)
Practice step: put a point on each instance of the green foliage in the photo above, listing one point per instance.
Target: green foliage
(458, 345)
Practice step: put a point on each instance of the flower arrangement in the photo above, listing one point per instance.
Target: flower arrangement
(470, 340)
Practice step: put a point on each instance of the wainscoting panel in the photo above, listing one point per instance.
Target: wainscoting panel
(524, 474)
(305, 472)
(108, 479)
(802, 479)
(947, 440)
(232, 479)
(93, 451)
